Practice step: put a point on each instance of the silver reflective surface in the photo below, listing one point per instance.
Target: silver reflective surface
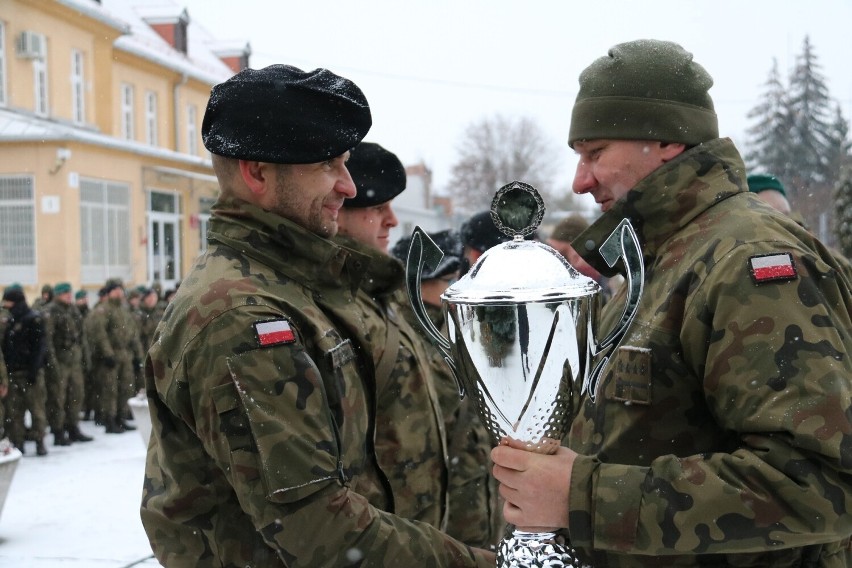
(519, 362)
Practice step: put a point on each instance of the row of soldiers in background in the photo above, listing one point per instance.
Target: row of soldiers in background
(62, 361)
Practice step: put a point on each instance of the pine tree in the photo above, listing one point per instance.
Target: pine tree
(843, 211)
(811, 121)
(770, 136)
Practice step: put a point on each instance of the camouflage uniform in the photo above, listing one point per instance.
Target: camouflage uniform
(475, 509)
(263, 402)
(95, 367)
(111, 337)
(410, 440)
(720, 432)
(64, 371)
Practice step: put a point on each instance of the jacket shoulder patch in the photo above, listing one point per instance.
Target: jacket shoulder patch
(772, 267)
(274, 332)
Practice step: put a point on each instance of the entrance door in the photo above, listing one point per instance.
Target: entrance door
(163, 239)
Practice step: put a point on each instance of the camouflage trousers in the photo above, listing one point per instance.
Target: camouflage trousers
(24, 396)
(117, 387)
(65, 391)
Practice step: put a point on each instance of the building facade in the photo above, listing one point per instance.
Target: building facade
(102, 170)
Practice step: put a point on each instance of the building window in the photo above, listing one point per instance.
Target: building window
(151, 118)
(205, 204)
(78, 88)
(104, 230)
(2, 64)
(191, 130)
(40, 77)
(127, 131)
(17, 229)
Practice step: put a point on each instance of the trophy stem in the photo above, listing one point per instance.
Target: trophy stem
(525, 549)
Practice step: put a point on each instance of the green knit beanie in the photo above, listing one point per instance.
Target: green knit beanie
(761, 182)
(645, 90)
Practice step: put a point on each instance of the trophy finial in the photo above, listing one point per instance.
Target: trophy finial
(517, 209)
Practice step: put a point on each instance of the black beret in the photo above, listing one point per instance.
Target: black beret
(378, 175)
(449, 243)
(284, 115)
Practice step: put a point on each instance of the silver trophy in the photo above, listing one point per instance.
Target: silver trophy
(521, 326)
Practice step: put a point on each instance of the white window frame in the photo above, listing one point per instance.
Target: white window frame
(2, 63)
(40, 88)
(151, 117)
(192, 129)
(128, 132)
(78, 87)
(105, 230)
(18, 229)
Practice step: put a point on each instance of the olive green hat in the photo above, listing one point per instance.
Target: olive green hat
(645, 90)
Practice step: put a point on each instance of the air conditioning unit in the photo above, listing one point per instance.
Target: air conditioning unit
(32, 45)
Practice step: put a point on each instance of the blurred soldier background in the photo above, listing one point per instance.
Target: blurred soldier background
(24, 351)
(64, 370)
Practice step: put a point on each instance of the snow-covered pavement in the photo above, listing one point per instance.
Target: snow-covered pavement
(77, 506)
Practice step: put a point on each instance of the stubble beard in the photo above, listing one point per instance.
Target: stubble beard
(291, 204)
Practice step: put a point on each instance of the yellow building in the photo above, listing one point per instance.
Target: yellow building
(102, 170)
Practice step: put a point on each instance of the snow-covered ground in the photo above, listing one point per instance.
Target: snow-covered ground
(77, 506)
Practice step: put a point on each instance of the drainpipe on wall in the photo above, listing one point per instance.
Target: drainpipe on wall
(175, 100)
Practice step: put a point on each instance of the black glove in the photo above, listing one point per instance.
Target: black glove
(109, 362)
(137, 364)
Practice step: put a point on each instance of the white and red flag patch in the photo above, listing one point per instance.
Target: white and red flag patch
(274, 332)
(772, 267)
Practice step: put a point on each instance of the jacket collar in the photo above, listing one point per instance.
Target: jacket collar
(301, 255)
(668, 199)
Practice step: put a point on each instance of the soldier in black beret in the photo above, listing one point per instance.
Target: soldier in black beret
(379, 176)
(259, 382)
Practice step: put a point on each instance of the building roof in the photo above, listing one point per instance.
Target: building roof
(140, 39)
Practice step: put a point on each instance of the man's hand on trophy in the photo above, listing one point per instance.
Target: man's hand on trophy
(535, 486)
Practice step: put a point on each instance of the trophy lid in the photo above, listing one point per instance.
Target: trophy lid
(519, 271)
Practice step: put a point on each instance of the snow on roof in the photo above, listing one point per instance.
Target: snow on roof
(140, 39)
(18, 127)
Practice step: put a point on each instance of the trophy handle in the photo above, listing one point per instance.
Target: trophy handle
(422, 252)
(621, 243)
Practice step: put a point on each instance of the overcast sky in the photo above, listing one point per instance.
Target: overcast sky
(430, 68)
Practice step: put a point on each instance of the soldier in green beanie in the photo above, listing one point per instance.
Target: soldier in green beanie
(719, 432)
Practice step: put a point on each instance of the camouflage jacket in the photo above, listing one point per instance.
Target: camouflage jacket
(475, 512)
(410, 440)
(112, 331)
(63, 326)
(720, 433)
(261, 402)
(147, 320)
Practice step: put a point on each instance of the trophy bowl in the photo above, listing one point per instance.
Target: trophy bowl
(522, 340)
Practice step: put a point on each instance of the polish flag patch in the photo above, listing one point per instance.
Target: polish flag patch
(274, 332)
(772, 267)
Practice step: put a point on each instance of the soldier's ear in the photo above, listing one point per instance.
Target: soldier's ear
(256, 175)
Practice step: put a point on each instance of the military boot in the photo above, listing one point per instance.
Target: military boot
(40, 449)
(75, 435)
(126, 426)
(112, 425)
(61, 439)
